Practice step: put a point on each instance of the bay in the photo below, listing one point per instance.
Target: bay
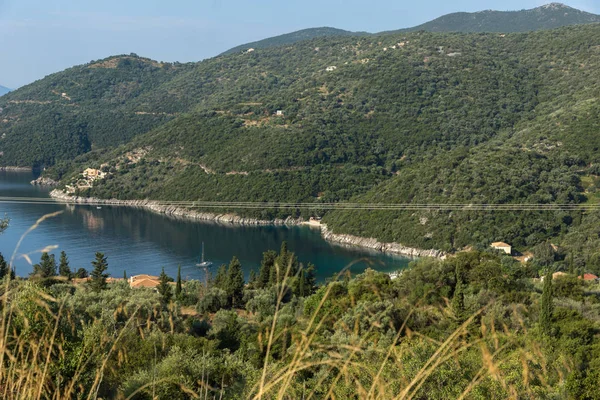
(141, 242)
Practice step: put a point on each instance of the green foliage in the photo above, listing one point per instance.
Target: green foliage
(235, 283)
(46, 268)
(164, 288)
(64, 269)
(4, 267)
(178, 285)
(98, 275)
(547, 305)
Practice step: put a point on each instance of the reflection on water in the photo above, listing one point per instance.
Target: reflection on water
(142, 242)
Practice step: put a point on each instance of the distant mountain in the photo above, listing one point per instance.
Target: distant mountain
(550, 16)
(3, 90)
(294, 37)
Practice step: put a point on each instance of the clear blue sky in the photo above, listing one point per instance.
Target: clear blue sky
(38, 37)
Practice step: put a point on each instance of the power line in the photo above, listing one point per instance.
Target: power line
(314, 206)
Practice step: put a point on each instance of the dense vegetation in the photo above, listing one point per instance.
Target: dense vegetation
(411, 117)
(550, 16)
(477, 325)
(291, 38)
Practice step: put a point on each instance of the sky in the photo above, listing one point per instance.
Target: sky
(39, 37)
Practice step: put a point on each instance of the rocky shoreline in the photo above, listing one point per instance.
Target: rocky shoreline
(180, 212)
(41, 181)
(16, 169)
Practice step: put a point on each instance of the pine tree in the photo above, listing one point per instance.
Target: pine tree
(125, 275)
(63, 266)
(164, 289)
(547, 306)
(252, 282)
(235, 283)
(98, 281)
(458, 300)
(81, 273)
(221, 278)
(13, 274)
(4, 269)
(46, 268)
(179, 286)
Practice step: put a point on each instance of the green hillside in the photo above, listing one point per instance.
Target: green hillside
(411, 117)
(549, 16)
(89, 106)
(294, 37)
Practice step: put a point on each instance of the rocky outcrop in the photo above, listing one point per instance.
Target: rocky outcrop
(186, 213)
(17, 169)
(41, 181)
(370, 243)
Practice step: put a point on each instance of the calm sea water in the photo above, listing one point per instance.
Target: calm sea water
(139, 241)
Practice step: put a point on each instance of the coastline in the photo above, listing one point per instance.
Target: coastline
(17, 169)
(232, 219)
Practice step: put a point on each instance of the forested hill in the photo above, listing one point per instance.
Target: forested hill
(411, 117)
(550, 16)
(4, 90)
(294, 37)
(84, 107)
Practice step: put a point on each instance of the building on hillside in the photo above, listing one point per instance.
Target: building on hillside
(331, 68)
(279, 113)
(589, 278)
(502, 247)
(145, 281)
(91, 173)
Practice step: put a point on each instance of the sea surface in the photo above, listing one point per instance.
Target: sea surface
(138, 241)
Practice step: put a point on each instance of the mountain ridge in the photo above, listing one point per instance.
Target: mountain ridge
(547, 16)
(4, 90)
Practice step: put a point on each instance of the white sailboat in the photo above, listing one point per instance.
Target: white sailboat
(202, 263)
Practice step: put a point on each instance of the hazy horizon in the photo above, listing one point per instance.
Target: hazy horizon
(41, 38)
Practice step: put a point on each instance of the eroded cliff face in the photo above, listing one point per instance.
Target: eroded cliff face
(181, 212)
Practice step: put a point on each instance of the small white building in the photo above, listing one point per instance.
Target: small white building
(331, 68)
(279, 113)
(502, 247)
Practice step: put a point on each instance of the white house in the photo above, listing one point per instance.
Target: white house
(502, 247)
(331, 68)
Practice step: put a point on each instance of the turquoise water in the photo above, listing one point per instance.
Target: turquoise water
(139, 241)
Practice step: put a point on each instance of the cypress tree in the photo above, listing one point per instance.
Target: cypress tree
(4, 269)
(125, 275)
(178, 287)
(458, 300)
(310, 280)
(235, 283)
(164, 289)
(98, 281)
(546, 307)
(266, 265)
(221, 278)
(63, 266)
